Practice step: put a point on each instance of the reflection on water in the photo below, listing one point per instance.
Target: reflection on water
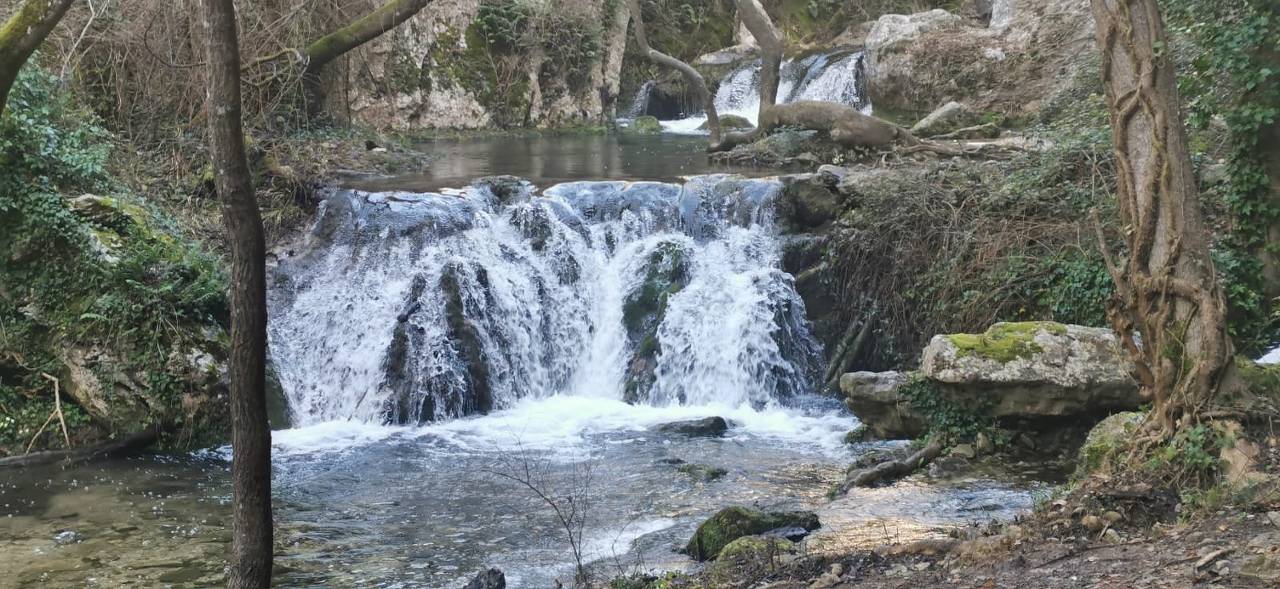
(551, 159)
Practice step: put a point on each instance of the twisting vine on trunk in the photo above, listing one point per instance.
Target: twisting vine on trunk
(1167, 289)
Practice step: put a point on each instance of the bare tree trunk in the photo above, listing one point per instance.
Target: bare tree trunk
(691, 76)
(324, 50)
(1167, 290)
(250, 435)
(22, 34)
(761, 27)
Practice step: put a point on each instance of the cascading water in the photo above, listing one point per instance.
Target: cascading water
(410, 308)
(829, 77)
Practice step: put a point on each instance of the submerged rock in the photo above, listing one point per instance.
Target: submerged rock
(732, 523)
(490, 579)
(707, 427)
(703, 472)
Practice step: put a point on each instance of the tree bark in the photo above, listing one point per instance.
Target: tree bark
(22, 34)
(757, 21)
(250, 434)
(691, 76)
(1167, 290)
(330, 47)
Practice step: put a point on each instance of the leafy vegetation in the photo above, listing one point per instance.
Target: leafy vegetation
(955, 422)
(90, 272)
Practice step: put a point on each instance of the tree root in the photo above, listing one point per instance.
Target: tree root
(894, 469)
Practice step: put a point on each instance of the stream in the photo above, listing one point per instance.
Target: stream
(440, 340)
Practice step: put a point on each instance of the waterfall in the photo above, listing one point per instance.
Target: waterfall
(408, 308)
(829, 77)
(640, 103)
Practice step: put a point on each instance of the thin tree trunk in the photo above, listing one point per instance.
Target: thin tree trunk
(22, 34)
(757, 21)
(691, 76)
(324, 50)
(1167, 290)
(250, 435)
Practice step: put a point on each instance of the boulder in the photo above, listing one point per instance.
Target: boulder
(946, 119)
(707, 427)
(874, 398)
(807, 202)
(732, 523)
(895, 31)
(1108, 438)
(730, 123)
(1034, 370)
(645, 125)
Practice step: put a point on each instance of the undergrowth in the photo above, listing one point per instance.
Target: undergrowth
(95, 273)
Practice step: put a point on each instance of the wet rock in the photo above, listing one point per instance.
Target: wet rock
(947, 118)
(707, 427)
(730, 123)
(645, 125)
(490, 579)
(703, 472)
(1034, 370)
(732, 523)
(507, 189)
(66, 537)
(874, 398)
(807, 202)
(666, 273)
(983, 444)
(792, 533)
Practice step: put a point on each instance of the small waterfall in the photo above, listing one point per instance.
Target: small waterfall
(640, 103)
(830, 77)
(409, 308)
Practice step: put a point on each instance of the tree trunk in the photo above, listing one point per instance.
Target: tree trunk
(691, 76)
(250, 435)
(1167, 289)
(326, 49)
(22, 34)
(757, 21)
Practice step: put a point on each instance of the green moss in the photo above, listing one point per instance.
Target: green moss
(732, 523)
(1106, 441)
(1005, 342)
(702, 472)
(646, 125)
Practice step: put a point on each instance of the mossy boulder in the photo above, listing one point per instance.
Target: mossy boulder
(748, 557)
(666, 273)
(732, 523)
(1035, 369)
(1107, 440)
(707, 427)
(645, 125)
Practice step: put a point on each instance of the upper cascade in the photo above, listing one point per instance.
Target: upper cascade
(408, 307)
(838, 76)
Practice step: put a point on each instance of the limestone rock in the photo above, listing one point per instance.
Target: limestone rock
(1035, 369)
(947, 118)
(895, 31)
(732, 523)
(874, 398)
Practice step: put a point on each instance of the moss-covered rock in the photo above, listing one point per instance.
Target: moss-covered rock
(1106, 441)
(645, 125)
(666, 273)
(702, 472)
(1005, 342)
(729, 123)
(732, 523)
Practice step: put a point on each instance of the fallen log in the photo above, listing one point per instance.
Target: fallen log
(122, 446)
(893, 469)
(844, 125)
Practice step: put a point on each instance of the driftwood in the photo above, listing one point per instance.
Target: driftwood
(894, 469)
(843, 124)
(126, 445)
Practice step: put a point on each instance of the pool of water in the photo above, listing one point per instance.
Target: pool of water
(553, 158)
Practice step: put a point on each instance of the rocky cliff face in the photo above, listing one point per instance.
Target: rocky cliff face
(467, 64)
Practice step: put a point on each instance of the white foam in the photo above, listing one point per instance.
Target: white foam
(1272, 357)
(617, 543)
